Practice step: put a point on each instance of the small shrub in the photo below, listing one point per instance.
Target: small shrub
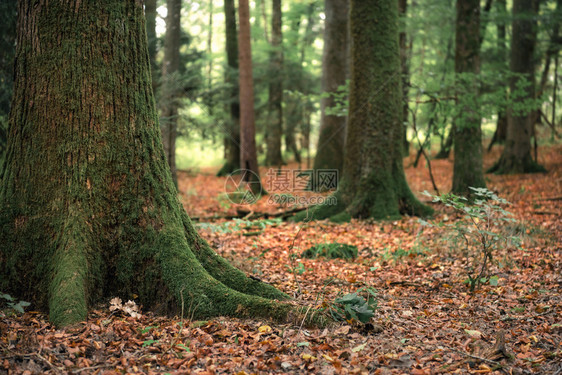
(480, 232)
(331, 251)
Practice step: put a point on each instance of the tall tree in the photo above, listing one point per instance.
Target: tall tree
(516, 156)
(373, 181)
(150, 15)
(248, 155)
(405, 65)
(88, 208)
(171, 88)
(467, 168)
(274, 130)
(8, 18)
(232, 128)
(331, 138)
(501, 124)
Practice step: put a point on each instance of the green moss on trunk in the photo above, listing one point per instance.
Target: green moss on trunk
(88, 206)
(373, 182)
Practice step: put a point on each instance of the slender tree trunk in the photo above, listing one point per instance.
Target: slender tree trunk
(331, 139)
(88, 208)
(150, 15)
(232, 128)
(405, 65)
(171, 88)
(373, 182)
(467, 138)
(8, 18)
(501, 124)
(516, 156)
(248, 155)
(274, 130)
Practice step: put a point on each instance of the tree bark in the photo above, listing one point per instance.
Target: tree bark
(373, 182)
(150, 15)
(467, 137)
(232, 136)
(331, 138)
(516, 156)
(171, 88)
(248, 155)
(89, 210)
(8, 18)
(405, 70)
(501, 124)
(274, 129)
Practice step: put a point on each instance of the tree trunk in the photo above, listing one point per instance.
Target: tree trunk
(171, 84)
(405, 71)
(248, 155)
(88, 208)
(501, 124)
(331, 138)
(232, 136)
(516, 156)
(150, 15)
(274, 130)
(8, 19)
(373, 181)
(467, 138)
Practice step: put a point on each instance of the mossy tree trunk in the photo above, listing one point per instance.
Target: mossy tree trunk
(373, 181)
(516, 156)
(88, 208)
(467, 137)
(171, 88)
(248, 154)
(331, 138)
(274, 130)
(232, 129)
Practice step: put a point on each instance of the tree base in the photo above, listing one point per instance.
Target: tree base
(227, 168)
(511, 165)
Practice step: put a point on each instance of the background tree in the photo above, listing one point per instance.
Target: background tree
(232, 127)
(274, 130)
(501, 123)
(373, 181)
(467, 168)
(171, 88)
(405, 51)
(8, 18)
(248, 156)
(331, 137)
(150, 15)
(88, 206)
(516, 156)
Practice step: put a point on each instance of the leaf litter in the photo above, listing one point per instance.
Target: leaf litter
(428, 321)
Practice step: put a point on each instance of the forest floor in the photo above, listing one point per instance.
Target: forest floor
(426, 322)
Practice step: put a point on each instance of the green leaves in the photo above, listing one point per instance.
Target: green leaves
(480, 232)
(352, 306)
(16, 306)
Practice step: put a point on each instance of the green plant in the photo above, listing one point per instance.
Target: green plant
(400, 253)
(353, 306)
(331, 251)
(480, 231)
(12, 304)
